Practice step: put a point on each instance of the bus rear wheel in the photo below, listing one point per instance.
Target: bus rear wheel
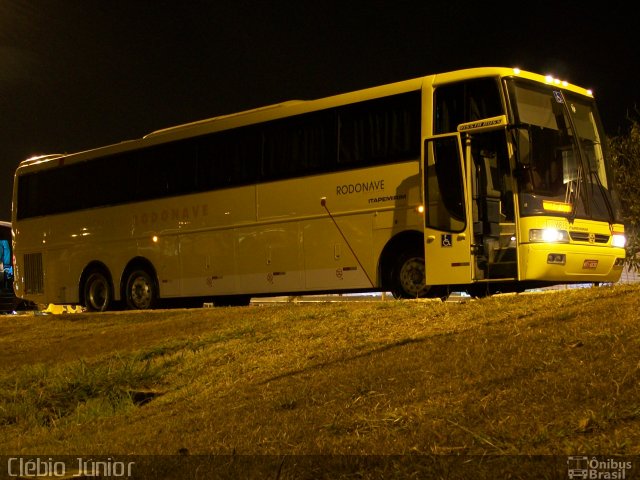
(98, 293)
(141, 291)
(408, 276)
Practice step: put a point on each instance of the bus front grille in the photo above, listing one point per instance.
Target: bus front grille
(587, 237)
(33, 273)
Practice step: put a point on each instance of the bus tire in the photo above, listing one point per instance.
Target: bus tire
(408, 276)
(98, 293)
(141, 291)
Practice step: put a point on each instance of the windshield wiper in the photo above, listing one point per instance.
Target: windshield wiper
(560, 98)
(573, 194)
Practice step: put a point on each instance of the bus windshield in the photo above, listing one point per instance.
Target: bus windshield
(562, 163)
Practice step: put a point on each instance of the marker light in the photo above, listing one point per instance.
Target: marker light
(548, 235)
(420, 209)
(555, 81)
(556, 206)
(154, 239)
(618, 240)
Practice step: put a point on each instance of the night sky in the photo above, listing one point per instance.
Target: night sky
(78, 74)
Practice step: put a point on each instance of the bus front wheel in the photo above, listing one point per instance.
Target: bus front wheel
(141, 291)
(408, 276)
(97, 292)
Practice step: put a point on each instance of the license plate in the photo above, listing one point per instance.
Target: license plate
(590, 265)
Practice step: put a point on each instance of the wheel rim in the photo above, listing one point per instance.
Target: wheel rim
(141, 292)
(98, 293)
(412, 277)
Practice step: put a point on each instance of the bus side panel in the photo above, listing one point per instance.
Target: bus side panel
(208, 244)
(270, 253)
(67, 244)
(37, 270)
(356, 203)
(269, 258)
(208, 263)
(329, 262)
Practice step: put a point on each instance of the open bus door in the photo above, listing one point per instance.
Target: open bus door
(470, 225)
(448, 231)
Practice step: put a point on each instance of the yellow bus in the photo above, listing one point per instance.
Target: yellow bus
(479, 180)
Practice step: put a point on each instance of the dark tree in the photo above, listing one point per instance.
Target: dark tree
(625, 152)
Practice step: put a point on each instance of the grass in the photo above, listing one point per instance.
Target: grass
(548, 374)
(41, 395)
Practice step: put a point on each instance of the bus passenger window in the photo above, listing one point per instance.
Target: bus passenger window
(464, 102)
(443, 186)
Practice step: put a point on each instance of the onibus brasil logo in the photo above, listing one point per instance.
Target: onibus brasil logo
(583, 467)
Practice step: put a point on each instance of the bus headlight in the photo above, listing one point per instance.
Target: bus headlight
(618, 240)
(548, 235)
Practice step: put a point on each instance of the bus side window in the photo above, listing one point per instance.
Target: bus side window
(493, 186)
(464, 102)
(443, 186)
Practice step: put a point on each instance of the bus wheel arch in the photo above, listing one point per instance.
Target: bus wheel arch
(139, 286)
(96, 288)
(402, 266)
